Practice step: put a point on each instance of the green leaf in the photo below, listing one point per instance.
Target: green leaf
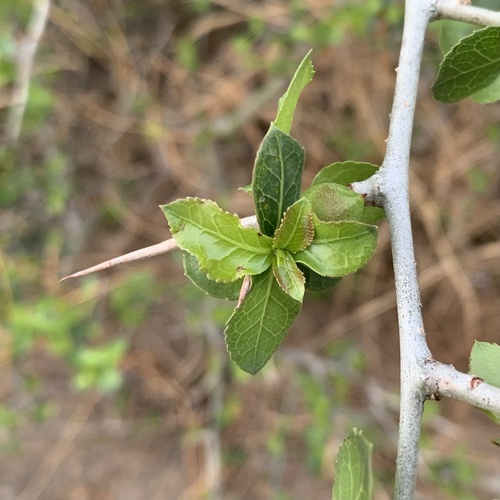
(225, 249)
(471, 65)
(372, 215)
(288, 275)
(288, 102)
(345, 173)
(258, 326)
(277, 178)
(228, 291)
(353, 466)
(333, 202)
(489, 94)
(296, 231)
(246, 189)
(315, 282)
(451, 32)
(484, 363)
(339, 248)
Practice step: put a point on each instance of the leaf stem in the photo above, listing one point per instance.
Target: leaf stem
(445, 381)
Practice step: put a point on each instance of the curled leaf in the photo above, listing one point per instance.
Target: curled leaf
(288, 275)
(296, 230)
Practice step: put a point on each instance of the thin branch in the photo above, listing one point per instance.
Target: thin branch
(457, 11)
(25, 58)
(395, 190)
(445, 381)
(145, 253)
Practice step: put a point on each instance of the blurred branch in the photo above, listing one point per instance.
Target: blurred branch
(61, 447)
(459, 10)
(25, 57)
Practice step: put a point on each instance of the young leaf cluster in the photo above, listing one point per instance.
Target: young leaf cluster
(304, 241)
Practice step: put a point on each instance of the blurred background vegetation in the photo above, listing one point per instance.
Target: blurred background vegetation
(117, 386)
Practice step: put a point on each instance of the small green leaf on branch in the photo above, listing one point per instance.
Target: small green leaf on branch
(471, 65)
(228, 291)
(277, 178)
(259, 325)
(288, 275)
(353, 469)
(345, 173)
(484, 363)
(296, 230)
(288, 102)
(372, 215)
(315, 282)
(332, 202)
(339, 248)
(225, 250)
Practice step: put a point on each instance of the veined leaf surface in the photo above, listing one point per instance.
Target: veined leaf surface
(296, 230)
(353, 469)
(277, 178)
(258, 326)
(332, 202)
(339, 248)
(288, 275)
(471, 65)
(225, 249)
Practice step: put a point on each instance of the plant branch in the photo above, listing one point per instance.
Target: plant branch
(457, 11)
(445, 381)
(395, 192)
(145, 253)
(142, 253)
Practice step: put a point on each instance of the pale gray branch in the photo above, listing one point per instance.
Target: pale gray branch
(143, 253)
(445, 381)
(457, 10)
(394, 186)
